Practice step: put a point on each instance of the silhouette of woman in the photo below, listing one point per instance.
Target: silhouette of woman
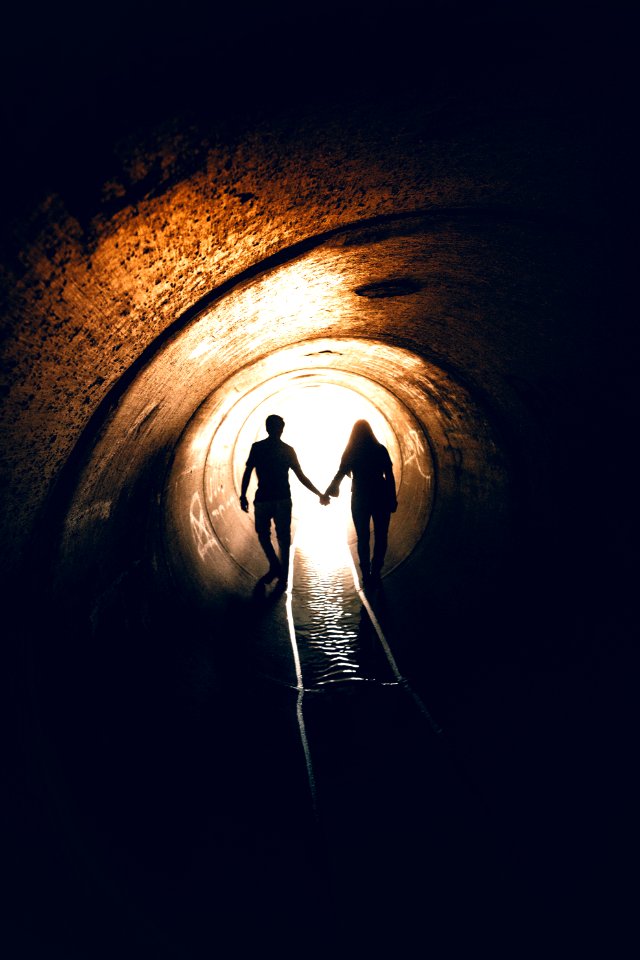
(373, 495)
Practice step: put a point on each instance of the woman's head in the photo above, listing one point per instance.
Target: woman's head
(361, 440)
(362, 432)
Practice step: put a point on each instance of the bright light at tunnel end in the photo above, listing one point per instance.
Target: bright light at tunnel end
(318, 421)
(320, 388)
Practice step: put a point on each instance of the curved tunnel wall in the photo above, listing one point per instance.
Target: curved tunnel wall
(91, 295)
(423, 407)
(460, 360)
(409, 395)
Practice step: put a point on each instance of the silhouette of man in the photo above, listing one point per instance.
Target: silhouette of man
(272, 459)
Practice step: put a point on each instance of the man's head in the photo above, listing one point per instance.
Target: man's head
(274, 425)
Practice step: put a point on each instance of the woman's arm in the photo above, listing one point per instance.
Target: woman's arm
(390, 486)
(333, 490)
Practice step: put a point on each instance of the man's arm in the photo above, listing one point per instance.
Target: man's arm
(244, 486)
(304, 480)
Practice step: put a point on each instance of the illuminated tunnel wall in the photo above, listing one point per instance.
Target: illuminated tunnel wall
(190, 411)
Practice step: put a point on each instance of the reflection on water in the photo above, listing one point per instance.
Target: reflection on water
(326, 607)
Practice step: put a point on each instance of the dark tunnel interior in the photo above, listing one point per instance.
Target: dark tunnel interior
(416, 215)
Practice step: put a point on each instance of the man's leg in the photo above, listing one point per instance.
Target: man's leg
(361, 516)
(263, 512)
(282, 518)
(381, 519)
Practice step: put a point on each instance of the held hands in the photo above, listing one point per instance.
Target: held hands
(325, 500)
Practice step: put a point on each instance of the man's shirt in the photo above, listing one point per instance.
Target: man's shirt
(272, 459)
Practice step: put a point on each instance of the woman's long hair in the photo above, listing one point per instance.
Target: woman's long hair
(361, 442)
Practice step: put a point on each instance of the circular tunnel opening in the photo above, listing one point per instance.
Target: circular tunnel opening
(154, 492)
(212, 542)
(317, 415)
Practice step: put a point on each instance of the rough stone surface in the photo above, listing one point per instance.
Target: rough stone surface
(88, 294)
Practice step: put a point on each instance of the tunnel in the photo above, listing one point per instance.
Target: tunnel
(417, 222)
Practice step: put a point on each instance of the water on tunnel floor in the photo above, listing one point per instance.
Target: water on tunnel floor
(326, 621)
(332, 627)
(397, 828)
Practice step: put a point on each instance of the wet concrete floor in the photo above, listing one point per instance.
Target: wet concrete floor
(274, 779)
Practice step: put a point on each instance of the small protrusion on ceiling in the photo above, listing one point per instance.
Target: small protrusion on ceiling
(393, 287)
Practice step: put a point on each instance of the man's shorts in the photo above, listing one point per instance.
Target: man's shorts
(277, 510)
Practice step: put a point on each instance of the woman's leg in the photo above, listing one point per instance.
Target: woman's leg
(381, 519)
(361, 515)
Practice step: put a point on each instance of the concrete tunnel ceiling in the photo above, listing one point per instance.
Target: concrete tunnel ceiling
(424, 230)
